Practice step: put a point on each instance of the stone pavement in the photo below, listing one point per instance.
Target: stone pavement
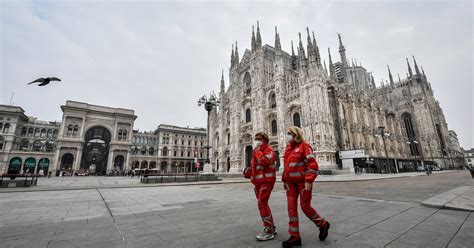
(460, 198)
(215, 216)
(74, 183)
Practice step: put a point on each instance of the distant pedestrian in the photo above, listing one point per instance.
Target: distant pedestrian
(299, 173)
(263, 176)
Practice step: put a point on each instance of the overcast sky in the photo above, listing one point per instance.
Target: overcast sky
(159, 57)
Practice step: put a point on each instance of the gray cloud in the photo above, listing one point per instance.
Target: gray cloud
(159, 57)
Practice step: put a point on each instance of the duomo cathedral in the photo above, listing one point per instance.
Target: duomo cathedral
(396, 125)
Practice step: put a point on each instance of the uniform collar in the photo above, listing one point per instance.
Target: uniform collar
(263, 146)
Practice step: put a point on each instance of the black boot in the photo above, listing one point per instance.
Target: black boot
(324, 230)
(291, 242)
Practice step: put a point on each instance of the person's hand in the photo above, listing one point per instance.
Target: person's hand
(308, 186)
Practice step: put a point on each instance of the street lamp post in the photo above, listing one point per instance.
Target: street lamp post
(209, 103)
(384, 135)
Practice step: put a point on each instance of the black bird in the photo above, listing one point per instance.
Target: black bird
(45, 81)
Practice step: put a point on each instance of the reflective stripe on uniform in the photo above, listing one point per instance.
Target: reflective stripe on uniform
(266, 175)
(295, 174)
(310, 156)
(312, 171)
(259, 167)
(296, 164)
(293, 229)
(270, 174)
(294, 219)
(267, 218)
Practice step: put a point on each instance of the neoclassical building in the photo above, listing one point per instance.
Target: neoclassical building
(339, 107)
(95, 139)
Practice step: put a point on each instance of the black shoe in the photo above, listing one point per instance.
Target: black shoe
(291, 242)
(274, 230)
(323, 231)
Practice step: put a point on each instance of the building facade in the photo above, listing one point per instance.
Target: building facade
(469, 157)
(169, 149)
(396, 125)
(92, 139)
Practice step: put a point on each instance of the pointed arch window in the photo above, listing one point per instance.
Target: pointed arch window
(248, 117)
(297, 119)
(274, 127)
(273, 103)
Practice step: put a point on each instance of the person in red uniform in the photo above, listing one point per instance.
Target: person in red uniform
(263, 176)
(300, 171)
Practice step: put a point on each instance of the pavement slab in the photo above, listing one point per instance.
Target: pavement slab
(221, 215)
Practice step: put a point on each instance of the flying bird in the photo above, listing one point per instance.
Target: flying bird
(45, 81)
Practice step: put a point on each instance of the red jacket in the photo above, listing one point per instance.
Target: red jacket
(263, 165)
(300, 164)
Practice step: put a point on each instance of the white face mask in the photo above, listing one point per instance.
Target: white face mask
(258, 143)
(289, 138)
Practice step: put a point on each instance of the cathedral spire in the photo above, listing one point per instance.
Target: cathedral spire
(373, 80)
(390, 75)
(332, 71)
(342, 51)
(258, 41)
(409, 69)
(308, 37)
(292, 49)
(325, 68)
(277, 40)
(236, 55)
(253, 39)
(416, 67)
(301, 53)
(232, 57)
(399, 80)
(222, 82)
(316, 50)
(423, 71)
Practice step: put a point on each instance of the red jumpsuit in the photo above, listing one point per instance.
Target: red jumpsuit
(263, 176)
(300, 167)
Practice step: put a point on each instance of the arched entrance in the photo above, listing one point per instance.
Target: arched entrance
(118, 163)
(29, 166)
(43, 167)
(96, 149)
(66, 161)
(14, 166)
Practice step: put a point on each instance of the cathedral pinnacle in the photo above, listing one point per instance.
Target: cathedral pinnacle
(332, 70)
(292, 49)
(232, 57)
(222, 82)
(253, 39)
(236, 54)
(416, 67)
(409, 69)
(390, 75)
(258, 41)
(277, 39)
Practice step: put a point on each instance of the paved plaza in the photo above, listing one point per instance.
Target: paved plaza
(226, 215)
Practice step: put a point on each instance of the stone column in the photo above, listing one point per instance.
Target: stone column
(77, 162)
(110, 161)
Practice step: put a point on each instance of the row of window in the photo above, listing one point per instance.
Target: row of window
(151, 152)
(39, 132)
(37, 146)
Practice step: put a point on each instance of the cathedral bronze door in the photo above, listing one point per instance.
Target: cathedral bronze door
(96, 150)
(248, 156)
